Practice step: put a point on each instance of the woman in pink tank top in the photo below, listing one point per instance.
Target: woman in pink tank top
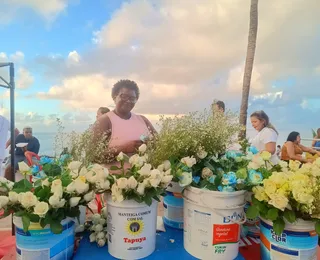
(124, 127)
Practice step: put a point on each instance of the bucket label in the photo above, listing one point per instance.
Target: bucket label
(225, 234)
(293, 245)
(131, 231)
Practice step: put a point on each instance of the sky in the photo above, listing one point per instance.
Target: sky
(183, 54)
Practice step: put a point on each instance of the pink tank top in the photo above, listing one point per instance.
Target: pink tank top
(124, 131)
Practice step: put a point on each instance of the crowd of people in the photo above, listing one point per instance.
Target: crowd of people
(125, 130)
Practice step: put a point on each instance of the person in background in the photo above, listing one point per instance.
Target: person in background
(279, 150)
(124, 127)
(267, 136)
(4, 129)
(101, 111)
(33, 145)
(293, 149)
(315, 142)
(219, 106)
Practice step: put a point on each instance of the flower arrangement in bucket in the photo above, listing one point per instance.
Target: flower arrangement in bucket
(132, 205)
(288, 203)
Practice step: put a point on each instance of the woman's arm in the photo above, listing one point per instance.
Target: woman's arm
(270, 147)
(309, 150)
(291, 153)
(152, 130)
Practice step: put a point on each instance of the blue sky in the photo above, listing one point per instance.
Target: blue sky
(68, 54)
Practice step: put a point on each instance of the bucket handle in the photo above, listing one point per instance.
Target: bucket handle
(240, 222)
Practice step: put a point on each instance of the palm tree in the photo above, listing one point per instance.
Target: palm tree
(252, 39)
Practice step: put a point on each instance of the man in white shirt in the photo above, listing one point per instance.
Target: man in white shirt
(4, 129)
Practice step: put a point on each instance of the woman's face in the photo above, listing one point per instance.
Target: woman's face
(298, 140)
(257, 123)
(125, 100)
(99, 113)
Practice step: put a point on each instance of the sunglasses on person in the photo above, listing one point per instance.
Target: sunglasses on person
(125, 97)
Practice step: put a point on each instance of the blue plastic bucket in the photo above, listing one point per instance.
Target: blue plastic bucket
(41, 244)
(298, 241)
(173, 206)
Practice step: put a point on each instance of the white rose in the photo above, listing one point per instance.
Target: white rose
(143, 148)
(118, 197)
(45, 182)
(74, 166)
(83, 171)
(120, 157)
(154, 182)
(166, 179)
(96, 218)
(23, 168)
(71, 187)
(140, 189)
(28, 199)
(122, 183)
(206, 173)
(81, 186)
(202, 154)
(92, 237)
(13, 197)
(89, 196)
(10, 185)
(56, 188)
(91, 177)
(185, 179)
(136, 160)
(146, 183)
(104, 212)
(167, 165)
(41, 209)
(74, 201)
(106, 185)
(3, 180)
(160, 167)
(189, 161)
(132, 183)
(98, 228)
(100, 235)
(55, 202)
(102, 221)
(101, 242)
(155, 174)
(253, 166)
(145, 170)
(3, 201)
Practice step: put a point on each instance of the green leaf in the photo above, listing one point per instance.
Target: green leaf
(156, 198)
(252, 212)
(42, 223)
(318, 227)
(56, 227)
(34, 218)
(19, 213)
(25, 223)
(22, 186)
(66, 179)
(38, 183)
(73, 212)
(273, 214)
(290, 216)
(44, 193)
(148, 200)
(278, 226)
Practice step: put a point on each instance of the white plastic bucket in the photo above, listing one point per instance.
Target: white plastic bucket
(41, 244)
(212, 222)
(131, 229)
(173, 206)
(299, 241)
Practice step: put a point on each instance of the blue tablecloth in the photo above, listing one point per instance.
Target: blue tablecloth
(164, 248)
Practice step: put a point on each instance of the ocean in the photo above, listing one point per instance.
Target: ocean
(47, 140)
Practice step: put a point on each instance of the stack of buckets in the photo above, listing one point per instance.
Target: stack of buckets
(173, 206)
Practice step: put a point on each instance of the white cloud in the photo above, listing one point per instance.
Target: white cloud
(3, 57)
(73, 58)
(17, 57)
(24, 78)
(270, 97)
(48, 9)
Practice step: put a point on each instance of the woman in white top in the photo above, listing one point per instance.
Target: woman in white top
(266, 139)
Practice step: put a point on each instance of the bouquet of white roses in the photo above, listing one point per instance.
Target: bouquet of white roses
(50, 200)
(293, 193)
(141, 182)
(98, 229)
